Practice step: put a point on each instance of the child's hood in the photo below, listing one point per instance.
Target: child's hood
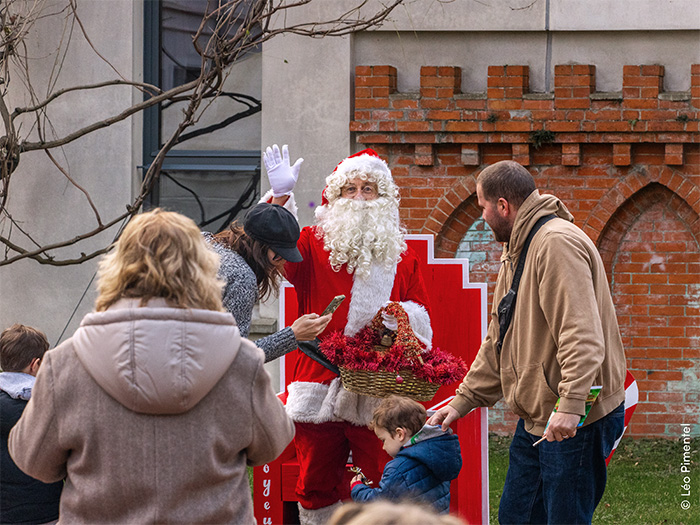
(439, 450)
(17, 385)
(156, 359)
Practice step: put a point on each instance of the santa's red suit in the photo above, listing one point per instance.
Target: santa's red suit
(331, 421)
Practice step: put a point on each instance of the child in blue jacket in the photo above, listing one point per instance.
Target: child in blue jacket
(426, 458)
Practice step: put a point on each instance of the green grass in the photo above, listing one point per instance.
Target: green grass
(644, 483)
(498, 466)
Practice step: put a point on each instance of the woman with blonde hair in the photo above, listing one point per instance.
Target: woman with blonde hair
(155, 406)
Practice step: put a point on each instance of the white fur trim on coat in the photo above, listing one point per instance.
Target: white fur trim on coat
(290, 205)
(318, 403)
(369, 294)
(420, 323)
(311, 402)
(355, 408)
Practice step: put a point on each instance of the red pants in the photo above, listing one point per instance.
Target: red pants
(322, 452)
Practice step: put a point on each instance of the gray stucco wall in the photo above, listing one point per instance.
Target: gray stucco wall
(307, 99)
(43, 201)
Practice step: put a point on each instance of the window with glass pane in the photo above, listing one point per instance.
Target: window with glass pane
(209, 174)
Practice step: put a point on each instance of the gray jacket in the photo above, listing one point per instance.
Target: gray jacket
(239, 297)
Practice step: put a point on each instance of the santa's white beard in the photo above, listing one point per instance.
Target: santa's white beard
(358, 233)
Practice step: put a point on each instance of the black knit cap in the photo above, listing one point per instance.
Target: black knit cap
(275, 227)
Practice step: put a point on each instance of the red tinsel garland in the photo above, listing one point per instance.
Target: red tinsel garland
(404, 336)
(358, 353)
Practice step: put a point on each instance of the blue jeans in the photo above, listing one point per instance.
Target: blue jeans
(559, 482)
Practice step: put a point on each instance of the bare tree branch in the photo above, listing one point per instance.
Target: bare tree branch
(227, 32)
(254, 108)
(67, 175)
(148, 88)
(74, 9)
(136, 108)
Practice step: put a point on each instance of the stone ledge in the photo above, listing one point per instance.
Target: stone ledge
(675, 96)
(470, 96)
(607, 95)
(263, 326)
(404, 96)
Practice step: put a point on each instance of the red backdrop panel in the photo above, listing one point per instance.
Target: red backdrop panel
(458, 316)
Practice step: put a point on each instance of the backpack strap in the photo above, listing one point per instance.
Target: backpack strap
(507, 305)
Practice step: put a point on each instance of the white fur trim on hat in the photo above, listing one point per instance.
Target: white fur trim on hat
(366, 167)
(363, 164)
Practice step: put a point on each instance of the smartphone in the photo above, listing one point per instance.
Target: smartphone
(333, 305)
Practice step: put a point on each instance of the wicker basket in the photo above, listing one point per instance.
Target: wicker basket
(383, 384)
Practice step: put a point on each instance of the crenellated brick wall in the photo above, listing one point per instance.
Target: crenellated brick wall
(627, 165)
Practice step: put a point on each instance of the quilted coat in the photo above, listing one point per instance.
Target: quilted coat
(420, 472)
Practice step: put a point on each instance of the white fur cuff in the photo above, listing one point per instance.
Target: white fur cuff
(317, 516)
(290, 205)
(311, 402)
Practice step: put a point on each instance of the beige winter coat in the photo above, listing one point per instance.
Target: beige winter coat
(152, 415)
(564, 337)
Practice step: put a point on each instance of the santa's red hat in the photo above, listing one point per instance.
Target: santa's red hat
(364, 164)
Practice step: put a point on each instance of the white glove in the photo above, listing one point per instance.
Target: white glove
(282, 176)
(390, 322)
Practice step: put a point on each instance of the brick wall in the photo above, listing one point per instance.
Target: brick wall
(626, 164)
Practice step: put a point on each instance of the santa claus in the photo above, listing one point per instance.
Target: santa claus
(356, 248)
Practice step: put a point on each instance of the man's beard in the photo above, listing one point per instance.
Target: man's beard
(358, 233)
(501, 228)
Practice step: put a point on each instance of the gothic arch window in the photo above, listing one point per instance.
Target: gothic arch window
(479, 246)
(484, 253)
(653, 257)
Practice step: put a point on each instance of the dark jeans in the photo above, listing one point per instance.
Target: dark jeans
(559, 482)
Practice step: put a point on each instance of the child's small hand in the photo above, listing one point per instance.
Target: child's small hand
(360, 477)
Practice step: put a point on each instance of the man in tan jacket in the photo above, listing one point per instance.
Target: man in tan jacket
(562, 340)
